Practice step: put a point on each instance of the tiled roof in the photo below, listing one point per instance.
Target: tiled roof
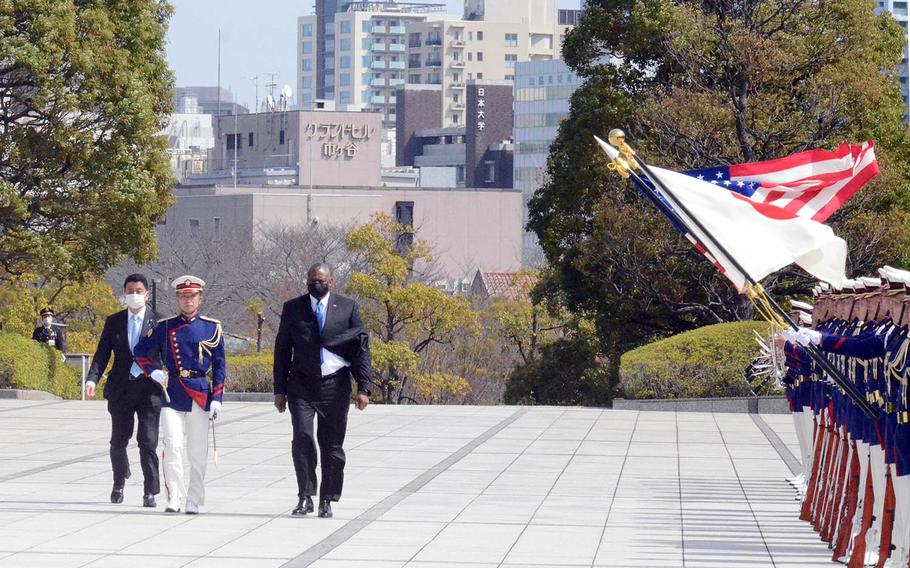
(507, 285)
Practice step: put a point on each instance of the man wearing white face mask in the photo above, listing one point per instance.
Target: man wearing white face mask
(129, 392)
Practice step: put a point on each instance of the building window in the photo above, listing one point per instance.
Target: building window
(414, 78)
(344, 44)
(414, 39)
(455, 118)
(307, 82)
(307, 30)
(281, 136)
(344, 80)
(489, 167)
(479, 56)
(470, 56)
(480, 75)
(307, 48)
(366, 25)
(511, 40)
(250, 139)
(511, 58)
(344, 27)
(194, 226)
(344, 97)
(434, 38)
(344, 62)
(479, 36)
(307, 65)
(404, 215)
(510, 77)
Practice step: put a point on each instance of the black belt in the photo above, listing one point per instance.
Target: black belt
(336, 373)
(185, 374)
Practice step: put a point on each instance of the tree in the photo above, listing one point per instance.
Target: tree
(405, 315)
(524, 321)
(570, 370)
(701, 83)
(84, 87)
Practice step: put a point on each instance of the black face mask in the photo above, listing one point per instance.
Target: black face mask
(317, 289)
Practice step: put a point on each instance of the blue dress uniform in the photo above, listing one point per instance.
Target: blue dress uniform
(191, 349)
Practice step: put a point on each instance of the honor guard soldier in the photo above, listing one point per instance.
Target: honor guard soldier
(49, 332)
(191, 348)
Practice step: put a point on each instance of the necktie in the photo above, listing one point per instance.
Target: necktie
(320, 321)
(135, 330)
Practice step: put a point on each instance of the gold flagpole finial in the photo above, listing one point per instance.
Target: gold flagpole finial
(618, 138)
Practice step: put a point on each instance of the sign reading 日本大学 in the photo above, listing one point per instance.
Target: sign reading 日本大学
(339, 140)
(481, 112)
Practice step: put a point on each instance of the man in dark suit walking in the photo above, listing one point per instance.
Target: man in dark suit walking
(128, 390)
(320, 345)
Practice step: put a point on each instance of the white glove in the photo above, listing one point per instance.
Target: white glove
(806, 336)
(215, 409)
(790, 335)
(159, 376)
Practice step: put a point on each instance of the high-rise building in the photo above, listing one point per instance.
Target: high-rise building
(542, 93)
(898, 9)
(485, 46)
(354, 53)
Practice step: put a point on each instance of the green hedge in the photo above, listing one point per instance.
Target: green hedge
(27, 364)
(249, 373)
(703, 363)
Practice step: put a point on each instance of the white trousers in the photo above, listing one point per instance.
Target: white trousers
(186, 442)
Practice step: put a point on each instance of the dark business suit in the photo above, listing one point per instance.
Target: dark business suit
(127, 396)
(298, 374)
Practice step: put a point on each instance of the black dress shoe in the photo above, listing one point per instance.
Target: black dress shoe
(117, 495)
(325, 509)
(171, 510)
(149, 501)
(303, 507)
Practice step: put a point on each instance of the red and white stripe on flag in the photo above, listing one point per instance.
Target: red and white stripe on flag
(814, 183)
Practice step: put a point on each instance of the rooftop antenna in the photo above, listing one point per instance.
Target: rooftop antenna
(286, 94)
(270, 86)
(255, 79)
(218, 93)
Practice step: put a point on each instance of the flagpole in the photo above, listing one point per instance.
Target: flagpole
(813, 351)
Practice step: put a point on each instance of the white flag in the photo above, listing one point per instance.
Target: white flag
(762, 238)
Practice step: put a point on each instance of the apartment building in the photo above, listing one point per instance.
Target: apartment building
(354, 53)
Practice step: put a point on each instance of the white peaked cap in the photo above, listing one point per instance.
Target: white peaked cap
(802, 306)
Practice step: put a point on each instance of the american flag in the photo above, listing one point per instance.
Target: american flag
(811, 184)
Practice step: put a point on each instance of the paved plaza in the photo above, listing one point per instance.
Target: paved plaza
(426, 487)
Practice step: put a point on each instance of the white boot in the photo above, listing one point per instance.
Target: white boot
(877, 469)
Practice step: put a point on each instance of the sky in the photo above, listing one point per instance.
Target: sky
(257, 38)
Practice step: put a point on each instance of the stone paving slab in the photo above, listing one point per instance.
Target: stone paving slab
(426, 487)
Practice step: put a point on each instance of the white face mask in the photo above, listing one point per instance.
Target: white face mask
(134, 301)
(47, 321)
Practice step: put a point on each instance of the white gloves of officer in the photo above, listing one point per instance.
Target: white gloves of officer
(159, 376)
(215, 409)
(804, 336)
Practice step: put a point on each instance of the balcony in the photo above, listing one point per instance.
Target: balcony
(378, 30)
(457, 106)
(379, 65)
(457, 43)
(458, 63)
(458, 86)
(378, 47)
(381, 83)
(434, 41)
(396, 64)
(414, 64)
(397, 30)
(399, 47)
(382, 101)
(434, 63)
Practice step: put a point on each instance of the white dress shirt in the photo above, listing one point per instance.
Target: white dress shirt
(331, 363)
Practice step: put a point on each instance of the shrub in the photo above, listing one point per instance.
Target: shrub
(702, 363)
(27, 364)
(568, 371)
(249, 373)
